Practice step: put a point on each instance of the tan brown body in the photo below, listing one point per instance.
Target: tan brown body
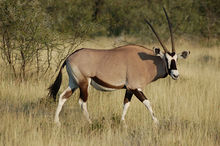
(129, 67)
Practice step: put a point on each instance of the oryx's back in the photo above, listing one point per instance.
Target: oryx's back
(114, 66)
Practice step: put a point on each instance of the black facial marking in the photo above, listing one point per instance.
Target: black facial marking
(171, 54)
(157, 50)
(173, 64)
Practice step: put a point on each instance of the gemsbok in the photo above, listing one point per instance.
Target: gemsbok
(129, 67)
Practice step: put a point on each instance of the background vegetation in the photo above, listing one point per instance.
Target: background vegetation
(37, 35)
(30, 28)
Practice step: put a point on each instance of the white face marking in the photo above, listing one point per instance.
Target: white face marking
(173, 72)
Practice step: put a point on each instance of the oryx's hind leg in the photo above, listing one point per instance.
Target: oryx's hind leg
(83, 99)
(62, 99)
(65, 95)
(127, 99)
(140, 95)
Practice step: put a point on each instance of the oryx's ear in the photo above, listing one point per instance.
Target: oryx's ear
(158, 52)
(183, 55)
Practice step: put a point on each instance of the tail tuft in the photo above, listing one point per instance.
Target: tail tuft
(54, 88)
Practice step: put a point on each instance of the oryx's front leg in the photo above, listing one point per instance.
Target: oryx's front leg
(140, 95)
(62, 99)
(83, 99)
(127, 99)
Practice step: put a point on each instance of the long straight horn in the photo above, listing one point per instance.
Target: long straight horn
(164, 47)
(170, 28)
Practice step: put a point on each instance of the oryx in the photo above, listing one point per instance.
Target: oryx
(129, 67)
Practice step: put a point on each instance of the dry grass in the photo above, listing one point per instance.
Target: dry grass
(188, 109)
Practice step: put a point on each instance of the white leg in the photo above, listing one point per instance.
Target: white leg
(84, 110)
(147, 104)
(62, 100)
(125, 109)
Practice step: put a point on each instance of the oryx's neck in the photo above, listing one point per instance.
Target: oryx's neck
(162, 70)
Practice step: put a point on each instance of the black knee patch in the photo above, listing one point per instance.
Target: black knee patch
(128, 95)
(140, 95)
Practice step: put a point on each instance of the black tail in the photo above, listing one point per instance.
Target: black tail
(54, 88)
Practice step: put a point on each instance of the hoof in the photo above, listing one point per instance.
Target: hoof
(156, 122)
(57, 123)
(124, 124)
(90, 122)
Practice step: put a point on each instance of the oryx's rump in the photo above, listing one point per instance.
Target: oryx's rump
(115, 68)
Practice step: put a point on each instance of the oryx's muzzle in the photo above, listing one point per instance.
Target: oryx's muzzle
(174, 73)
